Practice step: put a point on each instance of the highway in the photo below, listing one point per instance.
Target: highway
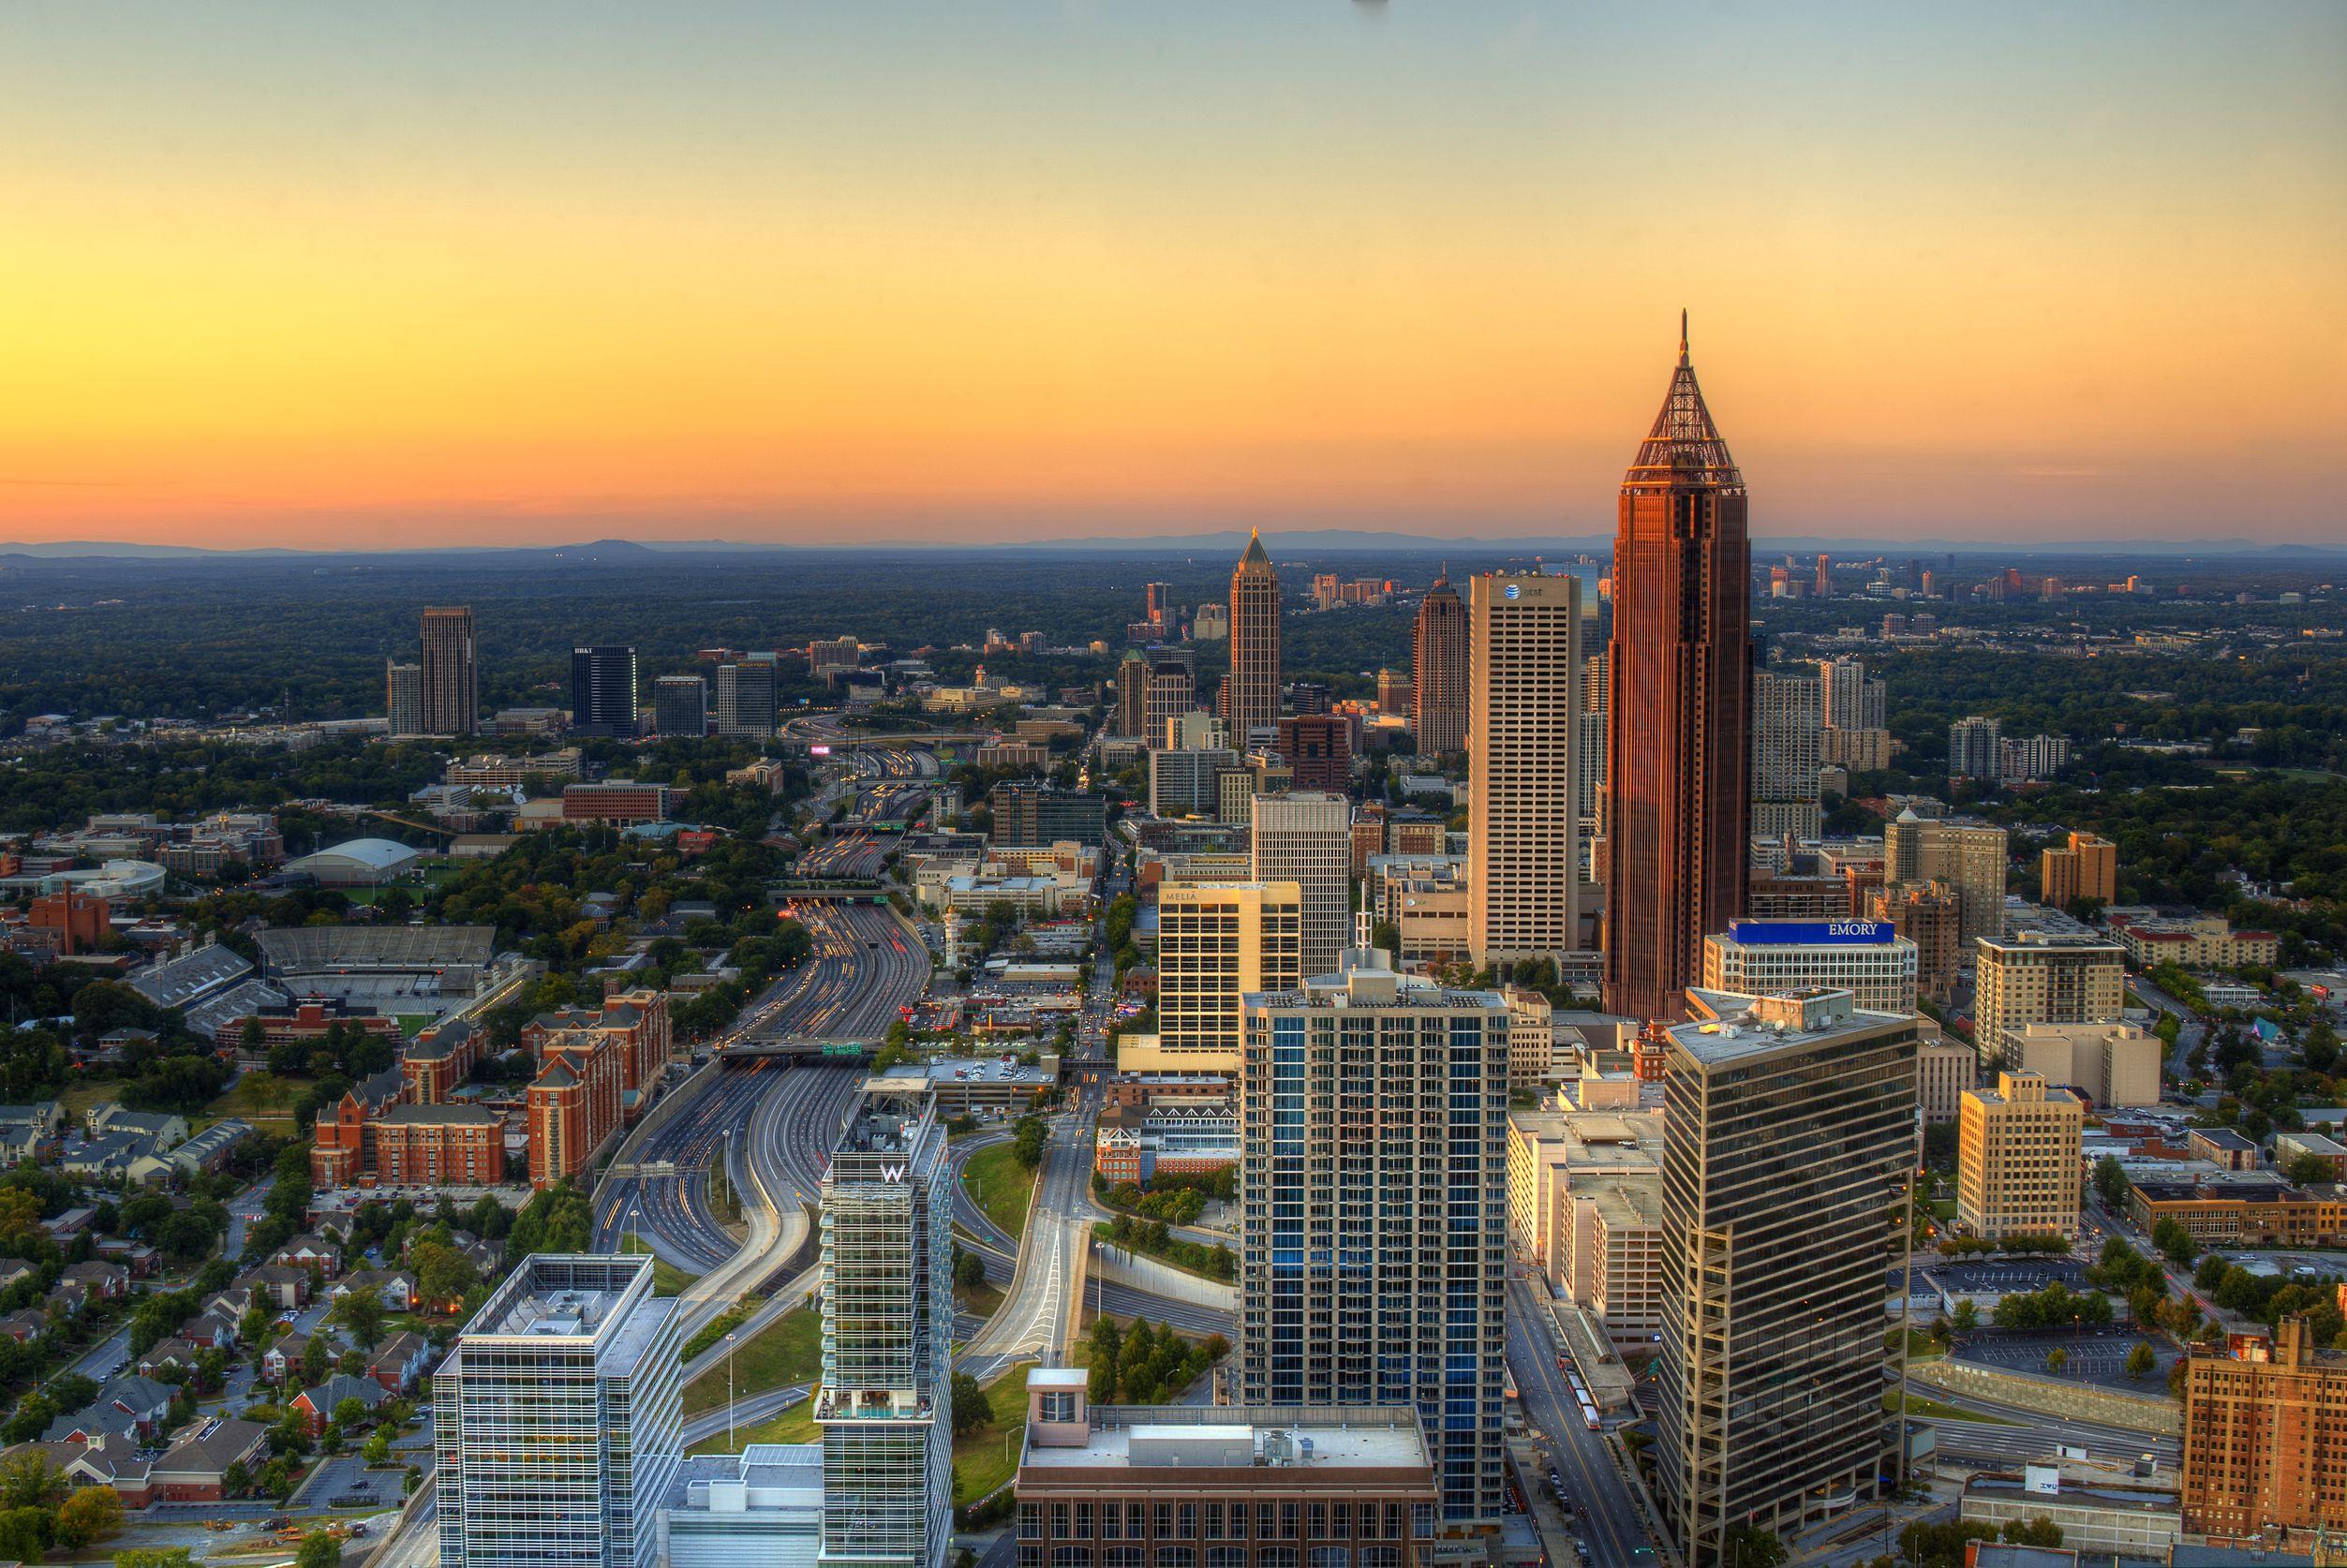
(1603, 1513)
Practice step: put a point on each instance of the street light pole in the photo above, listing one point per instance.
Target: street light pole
(728, 1392)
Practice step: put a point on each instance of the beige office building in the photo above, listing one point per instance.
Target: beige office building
(2087, 869)
(2110, 1064)
(1523, 739)
(1947, 1070)
(1969, 856)
(1531, 1037)
(2017, 1164)
(1215, 944)
(2044, 976)
(1584, 1208)
(1306, 837)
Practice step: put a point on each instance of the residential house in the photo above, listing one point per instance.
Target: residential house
(137, 1256)
(284, 1358)
(283, 1286)
(49, 1116)
(196, 1467)
(319, 1404)
(396, 1287)
(24, 1326)
(107, 1157)
(113, 1465)
(163, 1129)
(67, 1297)
(166, 1353)
(14, 1271)
(106, 1281)
(210, 1330)
(311, 1251)
(401, 1362)
(209, 1150)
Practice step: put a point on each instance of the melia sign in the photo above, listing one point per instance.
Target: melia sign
(1811, 933)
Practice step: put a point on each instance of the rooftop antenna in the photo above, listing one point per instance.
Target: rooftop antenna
(1683, 335)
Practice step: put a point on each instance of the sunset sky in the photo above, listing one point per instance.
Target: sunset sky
(410, 274)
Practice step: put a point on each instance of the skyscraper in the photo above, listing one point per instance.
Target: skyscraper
(1524, 820)
(1824, 588)
(1786, 732)
(1374, 1179)
(1172, 692)
(1679, 814)
(1438, 695)
(451, 672)
(1160, 604)
(1850, 700)
(1254, 692)
(403, 698)
(556, 1419)
(884, 1405)
(1306, 837)
(1788, 1133)
(1975, 750)
(602, 691)
(1318, 750)
(2087, 867)
(680, 708)
(745, 703)
(1130, 716)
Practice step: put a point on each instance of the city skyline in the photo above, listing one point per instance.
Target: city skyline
(415, 278)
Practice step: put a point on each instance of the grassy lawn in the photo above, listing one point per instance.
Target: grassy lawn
(786, 1351)
(1920, 1345)
(80, 1099)
(258, 1096)
(988, 1455)
(981, 1300)
(1933, 1410)
(667, 1278)
(1000, 1185)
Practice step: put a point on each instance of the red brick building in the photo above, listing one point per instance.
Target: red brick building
(306, 1021)
(438, 1060)
(636, 1020)
(439, 1145)
(80, 919)
(2264, 1447)
(342, 1151)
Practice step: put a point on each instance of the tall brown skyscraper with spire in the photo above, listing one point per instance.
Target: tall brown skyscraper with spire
(1252, 695)
(1438, 697)
(1681, 807)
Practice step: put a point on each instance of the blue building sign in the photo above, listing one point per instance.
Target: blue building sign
(1811, 933)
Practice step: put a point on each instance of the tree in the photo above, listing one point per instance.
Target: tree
(2056, 1359)
(349, 1411)
(2306, 1170)
(1029, 1141)
(377, 1449)
(1747, 1547)
(969, 1269)
(2174, 1241)
(89, 1515)
(362, 1314)
(2140, 1360)
(1966, 1316)
(27, 1533)
(2110, 1182)
(154, 1557)
(971, 1409)
(319, 1551)
(2040, 1531)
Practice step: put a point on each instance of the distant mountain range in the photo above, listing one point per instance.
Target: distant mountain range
(1292, 542)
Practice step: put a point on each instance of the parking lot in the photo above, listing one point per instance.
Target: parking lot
(2094, 1357)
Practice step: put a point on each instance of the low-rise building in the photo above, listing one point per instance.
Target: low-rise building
(1173, 1486)
(615, 800)
(1139, 1143)
(2202, 942)
(1868, 958)
(2098, 1515)
(2243, 1211)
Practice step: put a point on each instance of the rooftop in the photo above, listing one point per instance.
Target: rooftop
(1742, 1027)
(1295, 1437)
